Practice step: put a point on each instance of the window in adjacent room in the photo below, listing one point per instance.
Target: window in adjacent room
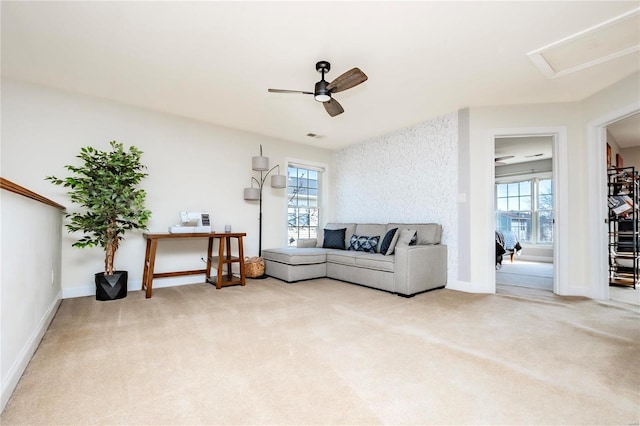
(526, 209)
(303, 210)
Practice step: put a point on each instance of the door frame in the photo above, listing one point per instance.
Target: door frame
(597, 174)
(560, 198)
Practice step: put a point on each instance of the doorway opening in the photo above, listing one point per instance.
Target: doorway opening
(598, 208)
(524, 211)
(623, 159)
(560, 210)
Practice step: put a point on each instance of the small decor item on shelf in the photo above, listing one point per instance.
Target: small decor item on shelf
(254, 267)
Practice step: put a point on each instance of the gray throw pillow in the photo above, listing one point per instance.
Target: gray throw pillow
(407, 237)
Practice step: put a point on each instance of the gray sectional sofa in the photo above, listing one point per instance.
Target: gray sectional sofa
(414, 261)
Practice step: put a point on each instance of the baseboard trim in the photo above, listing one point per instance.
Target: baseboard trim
(17, 369)
(469, 287)
(577, 291)
(544, 259)
(133, 285)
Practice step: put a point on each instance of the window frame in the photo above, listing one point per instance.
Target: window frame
(535, 210)
(293, 232)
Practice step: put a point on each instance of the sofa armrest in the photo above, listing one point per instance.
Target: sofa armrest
(306, 242)
(420, 268)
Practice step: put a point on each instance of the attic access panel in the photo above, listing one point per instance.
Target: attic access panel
(609, 40)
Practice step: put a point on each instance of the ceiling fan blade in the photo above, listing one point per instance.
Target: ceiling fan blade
(333, 107)
(289, 91)
(349, 79)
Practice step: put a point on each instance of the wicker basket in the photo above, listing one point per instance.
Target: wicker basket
(253, 267)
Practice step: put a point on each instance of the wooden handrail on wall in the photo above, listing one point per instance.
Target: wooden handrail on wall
(14, 187)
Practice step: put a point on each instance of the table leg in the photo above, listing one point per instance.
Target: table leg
(220, 263)
(152, 261)
(241, 256)
(145, 269)
(229, 264)
(209, 253)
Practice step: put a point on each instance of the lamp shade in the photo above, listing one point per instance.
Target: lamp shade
(252, 194)
(260, 164)
(278, 181)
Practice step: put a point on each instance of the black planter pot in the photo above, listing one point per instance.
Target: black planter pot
(111, 287)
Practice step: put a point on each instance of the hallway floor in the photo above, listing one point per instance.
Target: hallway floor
(539, 275)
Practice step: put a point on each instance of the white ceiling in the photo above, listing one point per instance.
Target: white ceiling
(214, 61)
(513, 150)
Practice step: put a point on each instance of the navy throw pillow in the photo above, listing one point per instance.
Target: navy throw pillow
(334, 238)
(386, 241)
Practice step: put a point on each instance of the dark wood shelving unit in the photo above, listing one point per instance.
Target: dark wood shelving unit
(624, 249)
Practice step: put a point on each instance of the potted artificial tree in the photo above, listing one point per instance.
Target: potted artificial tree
(105, 187)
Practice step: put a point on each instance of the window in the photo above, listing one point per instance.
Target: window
(545, 211)
(303, 208)
(526, 209)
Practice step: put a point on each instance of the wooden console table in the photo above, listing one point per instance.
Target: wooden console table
(223, 258)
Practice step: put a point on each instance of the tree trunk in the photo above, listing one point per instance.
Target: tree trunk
(110, 249)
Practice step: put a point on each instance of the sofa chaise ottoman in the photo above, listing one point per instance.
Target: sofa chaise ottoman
(404, 259)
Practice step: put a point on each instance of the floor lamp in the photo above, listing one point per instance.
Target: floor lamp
(261, 164)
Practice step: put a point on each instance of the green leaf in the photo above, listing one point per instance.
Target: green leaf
(105, 189)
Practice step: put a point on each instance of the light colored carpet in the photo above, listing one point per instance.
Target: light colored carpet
(523, 273)
(624, 294)
(327, 352)
(539, 275)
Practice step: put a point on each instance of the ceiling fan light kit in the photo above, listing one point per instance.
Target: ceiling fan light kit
(323, 90)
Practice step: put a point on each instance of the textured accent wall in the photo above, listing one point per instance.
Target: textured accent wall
(409, 175)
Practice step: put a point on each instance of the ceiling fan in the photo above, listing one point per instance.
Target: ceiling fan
(323, 90)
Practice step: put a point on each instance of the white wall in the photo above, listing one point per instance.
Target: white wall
(192, 165)
(409, 175)
(30, 288)
(615, 148)
(575, 117)
(603, 108)
(631, 157)
(476, 212)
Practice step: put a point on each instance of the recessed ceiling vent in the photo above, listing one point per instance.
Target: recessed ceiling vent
(611, 39)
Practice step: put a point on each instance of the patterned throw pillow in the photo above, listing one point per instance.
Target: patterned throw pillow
(388, 244)
(362, 243)
(334, 238)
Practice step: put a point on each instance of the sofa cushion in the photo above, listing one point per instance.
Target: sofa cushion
(296, 256)
(389, 241)
(363, 243)
(407, 237)
(306, 242)
(334, 238)
(371, 229)
(378, 262)
(347, 257)
(428, 233)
